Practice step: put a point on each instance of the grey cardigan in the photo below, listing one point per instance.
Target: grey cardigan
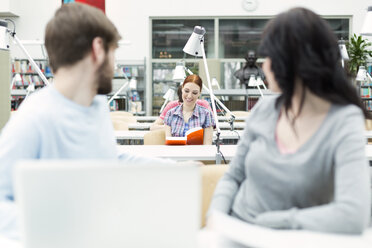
(323, 186)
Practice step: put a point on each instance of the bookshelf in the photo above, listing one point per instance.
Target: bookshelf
(366, 95)
(131, 99)
(23, 75)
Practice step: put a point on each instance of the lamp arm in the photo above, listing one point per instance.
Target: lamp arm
(119, 90)
(369, 76)
(259, 89)
(215, 98)
(163, 106)
(188, 70)
(34, 65)
(210, 87)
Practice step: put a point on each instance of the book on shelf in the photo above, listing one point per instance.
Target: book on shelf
(194, 136)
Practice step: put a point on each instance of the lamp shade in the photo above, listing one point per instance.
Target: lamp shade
(343, 51)
(215, 84)
(367, 25)
(4, 44)
(193, 45)
(169, 95)
(362, 74)
(133, 83)
(179, 73)
(252, 81)
(259, 81)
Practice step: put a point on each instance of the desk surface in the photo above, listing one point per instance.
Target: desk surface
(201, 152)
(220, 118)
(223, 229)
(139, 134)
(146, 125)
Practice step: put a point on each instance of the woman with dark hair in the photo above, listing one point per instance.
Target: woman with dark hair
(301, 162)
(188, 115)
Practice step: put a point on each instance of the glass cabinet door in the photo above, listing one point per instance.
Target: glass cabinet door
(237, 36)
(170, 36)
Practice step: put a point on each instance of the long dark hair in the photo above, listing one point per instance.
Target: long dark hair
(301, 45)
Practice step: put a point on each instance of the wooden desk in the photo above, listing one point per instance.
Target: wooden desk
(220, 118)
(369, 152)
(368, 134)
(146, 126)
(222, 230)
(138, 135)
(202, 153)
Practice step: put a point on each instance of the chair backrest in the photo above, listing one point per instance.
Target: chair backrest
(126, 119)
(155, 137)
(120, 125)
(120, 113)
(240, 114)
(368, 124)
(211, 174)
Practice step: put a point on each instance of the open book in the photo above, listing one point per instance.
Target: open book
(194, 136)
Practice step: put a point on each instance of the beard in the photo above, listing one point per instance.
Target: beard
(104, 77)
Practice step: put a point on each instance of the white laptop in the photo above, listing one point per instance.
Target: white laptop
(101, 204)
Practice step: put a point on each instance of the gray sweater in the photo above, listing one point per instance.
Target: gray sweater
(323, 186)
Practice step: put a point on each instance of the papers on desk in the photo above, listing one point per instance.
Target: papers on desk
(237, 233)
(7, 243)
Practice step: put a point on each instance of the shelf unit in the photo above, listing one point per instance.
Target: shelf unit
(227, 41)
(366, 95)
(131, 100)
(28, 76)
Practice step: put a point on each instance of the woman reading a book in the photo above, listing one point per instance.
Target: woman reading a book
(159, 122)
(190, 115)
(301, 162)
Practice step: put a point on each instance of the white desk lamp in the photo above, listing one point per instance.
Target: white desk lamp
(133, 83)
(16, 79)
(362, 74)
(170, 95)
(256, 82)
(119, 90)
(195, 47)
(343, 51)
(179, 72)
(367, 25)
(4, 45)
(178, 76)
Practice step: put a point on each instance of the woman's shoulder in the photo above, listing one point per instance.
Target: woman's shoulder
(203, 103)
(202, 109)
(175, 109)
(173, 104)
(346, 113)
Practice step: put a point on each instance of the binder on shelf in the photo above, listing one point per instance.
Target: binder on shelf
(194, 136)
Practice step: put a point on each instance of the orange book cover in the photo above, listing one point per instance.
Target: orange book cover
(194, 136)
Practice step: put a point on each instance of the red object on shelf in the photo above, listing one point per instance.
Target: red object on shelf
(96, 3)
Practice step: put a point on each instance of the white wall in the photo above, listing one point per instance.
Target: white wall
(132, 17)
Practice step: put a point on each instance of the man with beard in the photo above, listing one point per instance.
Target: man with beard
(69, 119)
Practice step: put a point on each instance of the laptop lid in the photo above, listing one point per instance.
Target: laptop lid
(107, 204)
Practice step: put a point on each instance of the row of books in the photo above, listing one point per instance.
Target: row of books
(27, 80)
(368, 104)
(15, 102)
(24, 66)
